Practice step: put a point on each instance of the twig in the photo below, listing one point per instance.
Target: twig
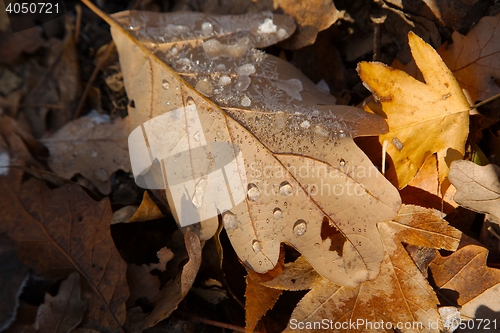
(485, 101)
(78, 23)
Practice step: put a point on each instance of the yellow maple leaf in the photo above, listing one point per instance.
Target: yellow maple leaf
(424, 118)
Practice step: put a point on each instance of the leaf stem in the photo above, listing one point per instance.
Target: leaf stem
(485, 101)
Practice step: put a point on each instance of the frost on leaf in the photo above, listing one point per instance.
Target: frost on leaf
(304, 181)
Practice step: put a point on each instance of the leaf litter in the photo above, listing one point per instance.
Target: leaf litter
(284, 117)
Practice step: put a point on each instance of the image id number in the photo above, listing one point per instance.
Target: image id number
(32, 8)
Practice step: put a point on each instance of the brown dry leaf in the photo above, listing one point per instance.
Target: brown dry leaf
(147, 211)
(93, 146)
(51, 101)
(271, 114)
(258, 297)
(475, 59)
(478, 287)
(167, 300)
(12, 45)
(311, 17)
(62, 230)
(400, 293)
(423, 118)
(478, 187)
(13, 276)
(63, 312)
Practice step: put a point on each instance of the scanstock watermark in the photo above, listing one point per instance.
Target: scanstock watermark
(24, 14)
(202, 178)
(360, 324)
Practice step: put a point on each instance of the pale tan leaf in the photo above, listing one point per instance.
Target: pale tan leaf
(478, 187)
(273, 118)
(63, 312)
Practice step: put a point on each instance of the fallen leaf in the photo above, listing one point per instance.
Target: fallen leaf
(274, 136)
(174, 291)
(478, 187)
(93, 146)
(13, 276)
(63, 312)
(62, 230)
(258, 297)
(147, 210)
(474, 59)
(12, 45)
(311, 17)
(466, 272)
(423, 118)
(399, 297)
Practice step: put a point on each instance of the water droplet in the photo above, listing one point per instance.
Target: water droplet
(243, 82)
(207, 28)
(205, 87)
(134, 28)
(245, 101)
(316, 244)
(286, 188)
(342, 162)
(229, 220)
(277, 213)
(197, 136)
(253, 192)
(299, 228)
(165, 84)
(199, 193)
(224, 80)
(256, 246)
(190, 101)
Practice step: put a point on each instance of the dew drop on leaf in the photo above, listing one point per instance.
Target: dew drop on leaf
(229, 220)
(207, 28)
(224, 80)
(190, 101)
(299, 228)
(277, 213)
(253, 192)
(256, 246)
(286, 188)
(199, 193)
(196, 136)
(245, 101)
(165, 84)
(342, 162)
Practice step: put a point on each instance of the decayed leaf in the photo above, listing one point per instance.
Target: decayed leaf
(92, 146)
(423, 118)
(271, 113)
(478, 187)
(63, 312)
(63, 230)
(400, 295)
(311, 17)
(167, 300)
(475, 59)
(478, 287)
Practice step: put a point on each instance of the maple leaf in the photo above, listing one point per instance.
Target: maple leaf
(424, 118)
(62, 230)
(474, 59)
(466, 272)
(271, 135)
(478, 187)
(399, 297)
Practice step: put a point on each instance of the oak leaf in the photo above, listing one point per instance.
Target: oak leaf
(273, 115)
(424, 117)
(62, 230)
(399, 294)
(478, 287)
(474, 59)
(478, 187)
(63, 312)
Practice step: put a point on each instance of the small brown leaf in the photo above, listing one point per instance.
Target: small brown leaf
(63, 312)
(63, 230)
(466, 272)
